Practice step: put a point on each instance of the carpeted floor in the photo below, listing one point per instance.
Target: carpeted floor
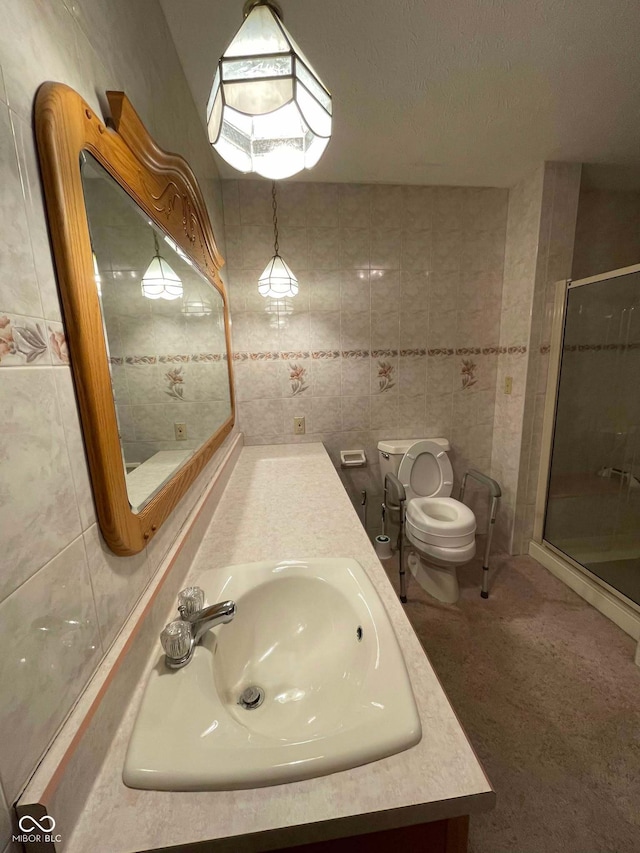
(549, 696)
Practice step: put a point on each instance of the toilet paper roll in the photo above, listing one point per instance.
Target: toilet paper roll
(383, 547)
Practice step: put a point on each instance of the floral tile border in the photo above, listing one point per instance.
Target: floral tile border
(620, 347)
(31, 341)
(355, 353)
(409, 352)
(168, 359)
(378, 353)
(324, 355)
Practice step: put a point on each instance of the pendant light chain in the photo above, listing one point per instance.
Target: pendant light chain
(274, 204)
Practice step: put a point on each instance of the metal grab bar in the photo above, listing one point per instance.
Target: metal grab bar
(391, 481)
(496, 493)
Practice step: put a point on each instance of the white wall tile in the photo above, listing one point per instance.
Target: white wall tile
(117, 583)
(37, 224)
(75, 446)
(49, 633)
(47, 38)
(354, 206)
(39, 515)
(19, 291)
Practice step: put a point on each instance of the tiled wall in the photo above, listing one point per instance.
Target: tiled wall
(395, 330)
(539, 249)
(63, 595)
(607, 231)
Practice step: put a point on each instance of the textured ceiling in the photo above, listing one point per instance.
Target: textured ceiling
(467, 92)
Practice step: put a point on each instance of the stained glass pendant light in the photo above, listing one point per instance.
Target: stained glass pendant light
(268, 110)
(160, 281)
(277, 281)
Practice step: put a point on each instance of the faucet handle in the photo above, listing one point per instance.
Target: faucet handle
(176, 639)
(190, 601)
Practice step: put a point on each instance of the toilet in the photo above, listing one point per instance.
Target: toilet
(440, 529)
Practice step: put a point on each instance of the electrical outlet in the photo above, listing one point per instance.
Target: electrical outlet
(298, 426)
(180, 431)
(508, 384)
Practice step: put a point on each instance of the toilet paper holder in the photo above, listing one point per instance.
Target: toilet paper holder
(353, 459)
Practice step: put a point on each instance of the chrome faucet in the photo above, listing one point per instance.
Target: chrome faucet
(180, 637)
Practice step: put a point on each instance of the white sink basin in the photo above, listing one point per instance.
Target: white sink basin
(315, 638)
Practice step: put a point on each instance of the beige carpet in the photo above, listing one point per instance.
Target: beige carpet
(549, 696)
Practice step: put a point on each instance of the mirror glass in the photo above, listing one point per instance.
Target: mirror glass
(165, 333)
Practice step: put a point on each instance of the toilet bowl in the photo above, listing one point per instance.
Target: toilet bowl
(440, 529)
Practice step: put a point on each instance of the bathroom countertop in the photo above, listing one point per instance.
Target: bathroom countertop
(287, 502)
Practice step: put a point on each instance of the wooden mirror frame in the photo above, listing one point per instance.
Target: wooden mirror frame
(165, 188)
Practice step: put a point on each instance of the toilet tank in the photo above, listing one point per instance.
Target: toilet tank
(391, 451)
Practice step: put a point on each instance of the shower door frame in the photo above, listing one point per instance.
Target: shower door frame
(563, 288)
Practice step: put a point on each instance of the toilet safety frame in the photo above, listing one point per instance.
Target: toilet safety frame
(391, 481)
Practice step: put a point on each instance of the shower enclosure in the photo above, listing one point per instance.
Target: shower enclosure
(591, 513)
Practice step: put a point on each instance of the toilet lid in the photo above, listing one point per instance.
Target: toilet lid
(425, 471)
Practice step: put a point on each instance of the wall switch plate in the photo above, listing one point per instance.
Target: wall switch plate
(180, 431)
(298, 426)
(508, 384)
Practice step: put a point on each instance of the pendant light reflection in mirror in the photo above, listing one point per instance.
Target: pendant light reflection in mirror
(159, 280)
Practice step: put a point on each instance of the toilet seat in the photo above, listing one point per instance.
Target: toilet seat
(443, 522)
(425, 471)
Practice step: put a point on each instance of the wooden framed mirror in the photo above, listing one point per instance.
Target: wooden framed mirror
(145, 309)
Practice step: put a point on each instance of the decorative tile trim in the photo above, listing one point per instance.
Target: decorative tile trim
(361, 353)
(23, 341)
(58, 344)
(176, 358)
(290, 356)
(264, 356)
(325, 354)
(141, 359)
(175, 382)
(601, 347)
(173, 359)
(355, 353)
(468, 373)
(385, 376)
(209, 356)
(545, 348)
(256, 356)
(298, 379)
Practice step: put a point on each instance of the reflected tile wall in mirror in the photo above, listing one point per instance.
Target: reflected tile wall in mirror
(167, 357)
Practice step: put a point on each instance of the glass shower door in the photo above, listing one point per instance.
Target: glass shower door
(593, 503)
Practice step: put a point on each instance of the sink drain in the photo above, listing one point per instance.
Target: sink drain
(251, 698)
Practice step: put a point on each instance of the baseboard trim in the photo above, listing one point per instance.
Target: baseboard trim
(610, 606)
